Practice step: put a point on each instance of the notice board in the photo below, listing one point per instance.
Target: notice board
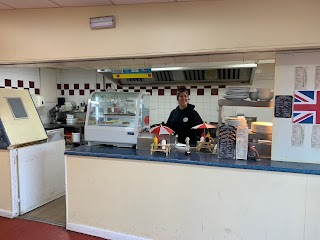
(283, 106)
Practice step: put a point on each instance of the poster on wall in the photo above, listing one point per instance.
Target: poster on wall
(300, 78)
(297, 136)
(283, 106)
(317, 78)
(306, 107)
(315, 136)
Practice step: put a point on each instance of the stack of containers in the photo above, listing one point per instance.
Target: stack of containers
(71, 119)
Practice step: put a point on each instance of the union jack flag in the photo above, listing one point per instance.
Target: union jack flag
(306, 107)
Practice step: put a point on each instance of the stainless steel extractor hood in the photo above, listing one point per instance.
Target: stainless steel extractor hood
(232, 74)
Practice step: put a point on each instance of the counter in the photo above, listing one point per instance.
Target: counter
(196, 158)
(121, 193)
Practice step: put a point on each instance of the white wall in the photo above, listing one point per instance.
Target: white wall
(79, 77)
(48, 78)
(155, 200)
(159, 29)
(282, 149)
(5, 184)
(37, 81)
(28, 78)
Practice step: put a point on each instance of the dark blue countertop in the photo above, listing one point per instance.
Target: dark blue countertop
(200, 158)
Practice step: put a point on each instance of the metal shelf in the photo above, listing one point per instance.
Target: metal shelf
(120, 114)
(72, 125)
(260, 136)
(243, 103)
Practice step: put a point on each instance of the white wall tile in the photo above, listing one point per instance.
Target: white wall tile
(199, 99)
(193, 92)
(154, 92)
(207, 91)
(207, 98)
(207, 104)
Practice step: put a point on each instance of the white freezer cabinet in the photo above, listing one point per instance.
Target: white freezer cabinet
(117, 117)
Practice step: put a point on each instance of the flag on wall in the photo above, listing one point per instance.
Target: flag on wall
(306, 107)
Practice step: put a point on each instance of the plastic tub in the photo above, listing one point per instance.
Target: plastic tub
(75, 137)
(72, 120)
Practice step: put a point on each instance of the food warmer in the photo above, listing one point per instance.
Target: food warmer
(117, 117)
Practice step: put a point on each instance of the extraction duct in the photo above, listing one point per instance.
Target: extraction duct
(239, 74)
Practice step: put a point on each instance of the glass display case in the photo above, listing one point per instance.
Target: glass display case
(117, 117)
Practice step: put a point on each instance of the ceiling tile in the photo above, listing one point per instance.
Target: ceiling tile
(29, 3)
(78, 3)
(2, 6)
(140, 1)
(196, 0)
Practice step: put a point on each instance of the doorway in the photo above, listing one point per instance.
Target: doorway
(52, 213)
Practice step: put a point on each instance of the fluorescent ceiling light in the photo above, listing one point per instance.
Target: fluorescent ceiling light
(243, 65)
(168, 69)
(104, 70)
(197, 67)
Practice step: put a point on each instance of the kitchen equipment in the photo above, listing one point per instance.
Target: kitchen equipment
(53, 114)
(265, 96)
(117, 118)
(264, 90)
(261, 127)
(250, 120)
(61, 101)
(236, 121)
(144, 141)
(237, 93)
(75, 137)
(192, 75)
(72, 120)
(38, 101)
(55, 135)
(253, 96)
(263, 148)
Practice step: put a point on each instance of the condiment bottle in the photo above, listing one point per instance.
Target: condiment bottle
(187, 151)
(155, 142)
(163, 144)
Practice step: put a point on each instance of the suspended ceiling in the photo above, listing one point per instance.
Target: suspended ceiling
(25, 4)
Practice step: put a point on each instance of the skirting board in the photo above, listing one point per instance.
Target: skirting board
(97, 232)
(6, 214)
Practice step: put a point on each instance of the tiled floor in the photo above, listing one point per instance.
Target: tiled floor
(53, 212)
(20, 229)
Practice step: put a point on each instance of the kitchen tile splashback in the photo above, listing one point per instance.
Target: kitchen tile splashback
(77, 85)
(163, 99)
(22, 78)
